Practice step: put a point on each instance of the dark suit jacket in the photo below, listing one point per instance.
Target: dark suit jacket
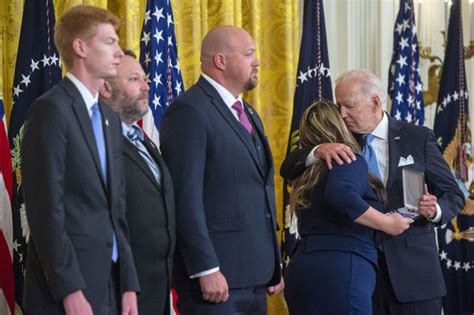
(412, 257)
(151, 219)
(71, 211)
(223, 180)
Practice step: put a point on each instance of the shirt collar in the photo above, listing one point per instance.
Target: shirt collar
(381, 131)
(87, 96)
(226, 96)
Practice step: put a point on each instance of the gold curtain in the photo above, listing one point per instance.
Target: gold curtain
(273, 24)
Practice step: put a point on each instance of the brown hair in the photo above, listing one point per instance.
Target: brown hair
(79, 22)
(130, 53)
(322, 123)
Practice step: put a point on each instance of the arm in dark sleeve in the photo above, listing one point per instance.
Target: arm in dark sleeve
(43, 154)
(441, 182)
(345, 187)
(183, 146)
(295, 163)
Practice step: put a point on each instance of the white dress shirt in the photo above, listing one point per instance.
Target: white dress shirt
(87, 96)
(226, 96)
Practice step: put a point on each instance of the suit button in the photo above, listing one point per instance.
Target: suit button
(268, 215)
(259, 147)
(109, 243)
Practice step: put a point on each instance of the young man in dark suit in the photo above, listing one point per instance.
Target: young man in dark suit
(410, 280)
(215, 147)
(79, 257)
(149, 190)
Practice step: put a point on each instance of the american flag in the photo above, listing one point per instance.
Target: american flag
(37, 69)
(313, 82)
(7, 283)
(405, 86)
(453, 134)
(159, 59)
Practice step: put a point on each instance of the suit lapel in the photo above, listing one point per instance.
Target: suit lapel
(395, 149)
(132, 152)
(230, 119)
(259, 132)
(85, 123)
(166, 182)
(111, 169)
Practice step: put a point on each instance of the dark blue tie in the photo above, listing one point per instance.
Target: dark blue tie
(100, 142)
(370, 157)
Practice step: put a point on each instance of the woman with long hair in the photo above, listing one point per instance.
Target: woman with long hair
(339, 212)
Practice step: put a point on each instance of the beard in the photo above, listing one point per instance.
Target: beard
(129, 108)
(251, 83)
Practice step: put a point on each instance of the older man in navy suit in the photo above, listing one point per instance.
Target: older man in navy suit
(410, 280)
(222, 169)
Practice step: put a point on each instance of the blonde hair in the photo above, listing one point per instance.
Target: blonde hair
(79, 22)
(322, 123)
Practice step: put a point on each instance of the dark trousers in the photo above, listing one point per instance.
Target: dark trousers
(325, 282)
(385, 302)
(246, 301)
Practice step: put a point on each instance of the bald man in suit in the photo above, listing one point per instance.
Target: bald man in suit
(220, 160)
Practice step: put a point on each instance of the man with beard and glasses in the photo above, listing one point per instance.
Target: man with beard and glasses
(215, 147)
(149, 190)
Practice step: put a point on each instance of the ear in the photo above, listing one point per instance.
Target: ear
(106, 90)
(79, 47)
(219, 61)
(377, 103)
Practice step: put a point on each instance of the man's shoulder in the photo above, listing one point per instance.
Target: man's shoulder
(53, 99)
(409, 128)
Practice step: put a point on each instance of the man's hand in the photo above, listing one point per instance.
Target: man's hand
(77, 304)
(336, 152)
(214, 287)
(129, 303)
(427, 206)
(276, 288)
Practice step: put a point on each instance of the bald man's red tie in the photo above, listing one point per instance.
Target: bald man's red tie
(243, 118)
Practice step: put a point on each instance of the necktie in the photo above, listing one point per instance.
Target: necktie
(100, 142)
(244, 120)
(370, 157)
(135, 134)
(99, 139)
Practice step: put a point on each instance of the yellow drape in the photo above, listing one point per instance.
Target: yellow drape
(273, 24)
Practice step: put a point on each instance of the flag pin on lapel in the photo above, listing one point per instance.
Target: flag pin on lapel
(107, 122)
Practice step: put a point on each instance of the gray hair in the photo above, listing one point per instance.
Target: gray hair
(368, 83)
